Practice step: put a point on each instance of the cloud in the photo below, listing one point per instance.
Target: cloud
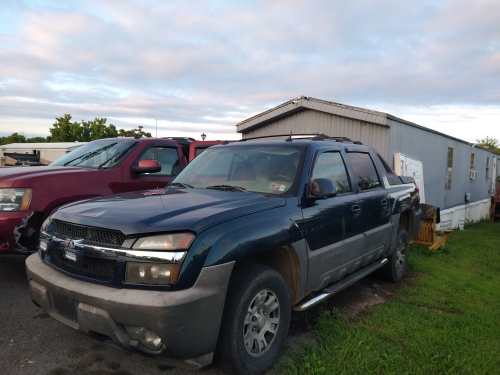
(191, 62)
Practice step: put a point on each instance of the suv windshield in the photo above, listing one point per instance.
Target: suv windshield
(97, 154)
(260, 169)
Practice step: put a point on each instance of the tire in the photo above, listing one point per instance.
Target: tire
(395, 269)
(255, 321)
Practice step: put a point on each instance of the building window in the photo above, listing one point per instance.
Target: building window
(449, 168)
(472, 160)
(487, 167)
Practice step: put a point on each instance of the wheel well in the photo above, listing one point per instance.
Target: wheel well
(406, 222)
(284, 260)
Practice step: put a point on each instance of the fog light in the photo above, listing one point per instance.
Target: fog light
(147, 337)
(150, 339)
(151, 273)
(45, 246)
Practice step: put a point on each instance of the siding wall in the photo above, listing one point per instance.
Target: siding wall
(432, 150)
(312, 122)
(399, 137)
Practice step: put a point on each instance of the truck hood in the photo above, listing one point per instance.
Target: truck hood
(8, 176)
(166, 210)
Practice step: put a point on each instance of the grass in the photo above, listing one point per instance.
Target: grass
(446, 322)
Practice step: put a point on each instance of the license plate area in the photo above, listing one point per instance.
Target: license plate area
(65, 306)
(70, 255)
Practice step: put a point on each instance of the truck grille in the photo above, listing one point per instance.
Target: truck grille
(91, 235)
(94, 267)
(104, 268)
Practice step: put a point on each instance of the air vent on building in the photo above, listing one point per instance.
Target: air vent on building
(472, 175)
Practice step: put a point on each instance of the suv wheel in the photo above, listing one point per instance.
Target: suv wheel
(255, 320)
(395, 269)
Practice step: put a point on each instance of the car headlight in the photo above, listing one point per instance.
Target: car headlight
(177, 241)
(152, 273)
(15, 199)
(167, 247)
(47, 225)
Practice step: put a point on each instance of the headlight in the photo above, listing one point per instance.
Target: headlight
(47, 225)
(158, 248)
(177, 241)
(152, 273)
(15, 199)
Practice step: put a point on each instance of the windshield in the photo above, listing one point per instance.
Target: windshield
(261, 169)
(97, 154)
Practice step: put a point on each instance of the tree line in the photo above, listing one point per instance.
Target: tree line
(66, 130)
(491, 144)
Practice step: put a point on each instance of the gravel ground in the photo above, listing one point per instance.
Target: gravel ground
(33, 343)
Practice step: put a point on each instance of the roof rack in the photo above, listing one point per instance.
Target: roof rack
(180, 139)
(313, 137)
(323, 137)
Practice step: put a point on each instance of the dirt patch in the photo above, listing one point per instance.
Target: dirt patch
(113, 365)
(353, 301)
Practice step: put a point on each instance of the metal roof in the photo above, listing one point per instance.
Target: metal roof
(306, 102)
(303, 103)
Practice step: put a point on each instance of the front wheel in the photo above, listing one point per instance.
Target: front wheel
(255, 320)
(395, 269)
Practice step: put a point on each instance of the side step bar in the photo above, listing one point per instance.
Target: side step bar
(341, 285)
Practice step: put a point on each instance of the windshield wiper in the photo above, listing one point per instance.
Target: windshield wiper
(116, 157)
(227, 188)
(180, 184)
(89, 155)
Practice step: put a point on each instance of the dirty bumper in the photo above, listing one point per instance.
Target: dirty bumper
(187, 321)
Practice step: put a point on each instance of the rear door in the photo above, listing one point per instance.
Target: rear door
(374, 202)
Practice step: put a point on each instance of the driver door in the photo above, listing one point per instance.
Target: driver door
(331, 224)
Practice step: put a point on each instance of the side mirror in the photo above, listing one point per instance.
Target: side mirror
(146, 166)
(322, 188)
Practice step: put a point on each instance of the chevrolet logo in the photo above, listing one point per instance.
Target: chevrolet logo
(74, 243)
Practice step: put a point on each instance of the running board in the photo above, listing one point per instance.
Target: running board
(341, 285)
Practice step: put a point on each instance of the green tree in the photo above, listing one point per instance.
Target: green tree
(36, 140)
(13, 138)
(133, 132)
(97, 129)
(489, 143)
(20, 138)
(64, 130)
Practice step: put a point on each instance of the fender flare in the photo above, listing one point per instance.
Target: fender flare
(236, 240)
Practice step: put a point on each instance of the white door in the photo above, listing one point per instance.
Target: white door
(407, 166)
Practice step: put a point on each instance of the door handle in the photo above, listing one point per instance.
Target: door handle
(356, 210)
(385, 203)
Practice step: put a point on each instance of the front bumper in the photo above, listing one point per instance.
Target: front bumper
(18, 232)
(187, 321)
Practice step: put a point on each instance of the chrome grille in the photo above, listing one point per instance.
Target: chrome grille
(104, 268)
(91, 235)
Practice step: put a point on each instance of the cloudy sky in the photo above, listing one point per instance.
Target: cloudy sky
(203, 66)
